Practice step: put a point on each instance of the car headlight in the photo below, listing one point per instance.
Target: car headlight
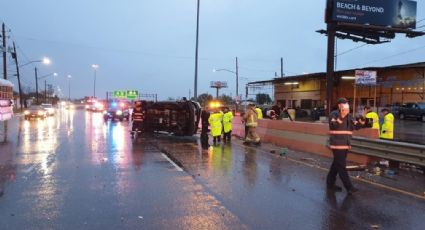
(119, 112)
(72, 106)
(27, 112)
(40, 113)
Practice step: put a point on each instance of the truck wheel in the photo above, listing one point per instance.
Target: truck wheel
(401, 116)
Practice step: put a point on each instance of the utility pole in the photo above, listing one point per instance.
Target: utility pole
(4, 51)
(281, 67)
(36, 84)
(15, 55)
(195, 93)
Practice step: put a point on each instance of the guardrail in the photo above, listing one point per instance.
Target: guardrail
(390, 150)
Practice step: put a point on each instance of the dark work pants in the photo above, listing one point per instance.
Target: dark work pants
(338, 167)
(227, 136)
(204, 140)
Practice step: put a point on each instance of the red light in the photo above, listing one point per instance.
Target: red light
(122, 104)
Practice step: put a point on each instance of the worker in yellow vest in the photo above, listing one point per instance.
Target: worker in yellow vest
(227, 124)
(259, 113)
(372, 118)
(387, 129)
(215, 121)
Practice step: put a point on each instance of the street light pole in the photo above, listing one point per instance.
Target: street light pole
(36, 84)
(195, 93)
(237, 78)
(45, 91)
(69, 87)
(94, 66)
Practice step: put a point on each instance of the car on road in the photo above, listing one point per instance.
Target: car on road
(412, 110)
(117, 110)
(35, 112)
(49, 108)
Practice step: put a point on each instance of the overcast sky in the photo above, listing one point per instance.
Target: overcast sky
(149, 45)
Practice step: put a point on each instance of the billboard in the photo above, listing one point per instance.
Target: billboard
(392, 13)
(365, 77)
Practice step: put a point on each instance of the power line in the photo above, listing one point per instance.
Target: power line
(391, 56)
(352, 49)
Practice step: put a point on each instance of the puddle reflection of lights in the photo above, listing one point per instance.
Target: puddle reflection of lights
(118, 137)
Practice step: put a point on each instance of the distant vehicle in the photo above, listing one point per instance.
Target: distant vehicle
(317, 112)
(180, 118)
(35, 112)
(95, 106)
(6, 97)
(117, 110)
(49, 108)
(412, 110)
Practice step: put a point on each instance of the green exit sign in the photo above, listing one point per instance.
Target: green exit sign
(132, 94)
(126, 94)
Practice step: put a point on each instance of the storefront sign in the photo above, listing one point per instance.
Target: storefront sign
(365, 77)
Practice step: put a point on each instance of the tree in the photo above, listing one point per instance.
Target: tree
(227, 100)
(204, 98)
(263, 98)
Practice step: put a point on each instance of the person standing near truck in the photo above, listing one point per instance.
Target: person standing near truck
(227, 124)
(215, 121)
(387, 129)
(372, 117)
(341, 126)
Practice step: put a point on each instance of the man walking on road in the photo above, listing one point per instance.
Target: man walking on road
(341, 126)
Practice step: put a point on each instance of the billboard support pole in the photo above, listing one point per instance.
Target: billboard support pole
(330, 66)
(354, 100)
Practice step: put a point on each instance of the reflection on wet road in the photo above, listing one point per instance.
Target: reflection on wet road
(74, 171)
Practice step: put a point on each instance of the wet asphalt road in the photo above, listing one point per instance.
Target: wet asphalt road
(73, 171)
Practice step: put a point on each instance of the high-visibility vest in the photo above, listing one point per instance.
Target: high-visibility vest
(215, 120)
(259, 113)
(387, 129)
(227, 121)
(375, 118)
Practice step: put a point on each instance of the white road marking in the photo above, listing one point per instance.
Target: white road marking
(172, 162)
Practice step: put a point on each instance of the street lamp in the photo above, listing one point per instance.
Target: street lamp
(69, 87)
(45, 61)
(234, 72)
(95, 67)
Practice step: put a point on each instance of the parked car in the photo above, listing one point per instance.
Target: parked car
(35, 112)
(412, 110)
(49, 108)
(317, 112)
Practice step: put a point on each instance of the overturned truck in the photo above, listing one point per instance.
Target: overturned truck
(180, 118)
